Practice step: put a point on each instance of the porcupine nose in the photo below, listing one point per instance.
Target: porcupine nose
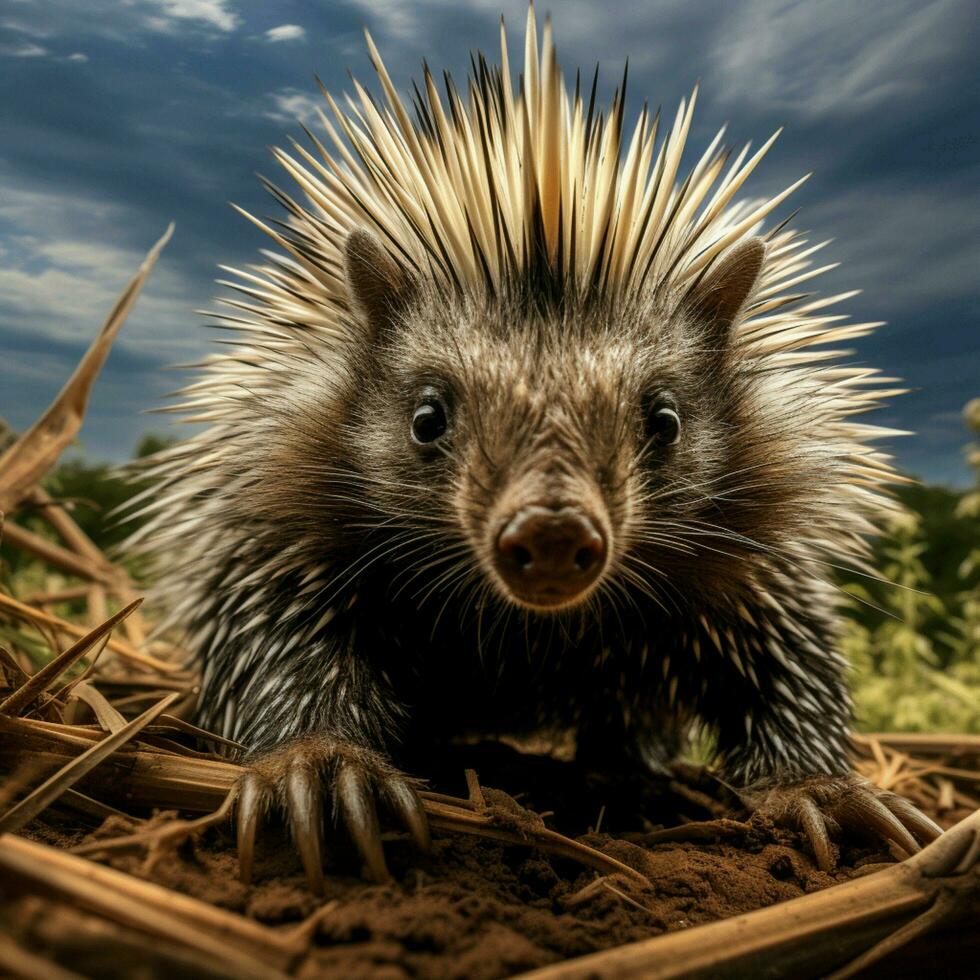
(549, 556)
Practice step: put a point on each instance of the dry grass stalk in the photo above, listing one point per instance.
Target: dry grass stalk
(54, 554)
(124, 649)
(58, 517)
(459, 819)
(53, 598)
(932, 783)
(52, 788)
(24, 464)
(83, 804)
(105, 714)
(112, 894)
(52, 670)
(245, 947)
(74, 936)
(82, 545)
(921, 743)
(18, 962)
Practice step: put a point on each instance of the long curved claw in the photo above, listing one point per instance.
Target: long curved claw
(407, 805)
(862, 809)
(305, 777)
(823, 805)
(815, 828)
(912, 817)
(361, 818)
(305, 807)
(252, 797)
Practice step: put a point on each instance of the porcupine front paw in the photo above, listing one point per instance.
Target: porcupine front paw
(320, 781)
(824, 805)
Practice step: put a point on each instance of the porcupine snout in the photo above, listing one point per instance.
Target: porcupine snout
(548, 556)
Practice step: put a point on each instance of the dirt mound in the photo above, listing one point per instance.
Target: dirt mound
(478, 908)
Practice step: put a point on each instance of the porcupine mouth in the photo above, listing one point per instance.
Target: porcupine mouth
(549, 600)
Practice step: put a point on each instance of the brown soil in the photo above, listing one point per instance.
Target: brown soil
(476, 908)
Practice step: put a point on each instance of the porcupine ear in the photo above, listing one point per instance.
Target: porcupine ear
(715, 302)
(378, 286)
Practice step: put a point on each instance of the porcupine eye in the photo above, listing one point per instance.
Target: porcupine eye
(663, 425)
(430, 418)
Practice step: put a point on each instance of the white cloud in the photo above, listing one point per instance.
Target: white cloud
(215, 13)
(401, 19)
(821, 59)
(286, 32)
(119, 21)
(25, 27)
(62, 267)
(25, 50)
(290, 105)
(77, 56)
(61, 272)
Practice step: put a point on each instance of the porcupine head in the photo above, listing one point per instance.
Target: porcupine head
(550, 451)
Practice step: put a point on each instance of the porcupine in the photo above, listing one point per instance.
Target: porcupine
(521, 433)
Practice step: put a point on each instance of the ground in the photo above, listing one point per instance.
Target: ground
(477, 908)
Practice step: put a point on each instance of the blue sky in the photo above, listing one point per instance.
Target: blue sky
(118, 117)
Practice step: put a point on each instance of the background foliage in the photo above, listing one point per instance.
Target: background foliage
(915, 644)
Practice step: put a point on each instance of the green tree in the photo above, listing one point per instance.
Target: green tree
(914, 639)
